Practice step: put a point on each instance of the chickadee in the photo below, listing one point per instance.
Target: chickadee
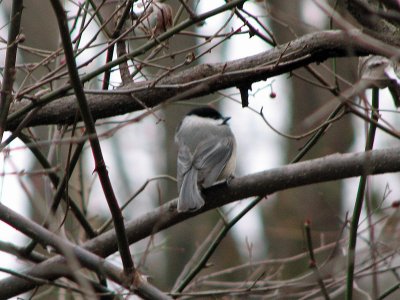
(206, 154)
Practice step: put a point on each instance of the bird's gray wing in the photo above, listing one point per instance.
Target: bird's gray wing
(211, 157)
(184, 163)
(190, 198)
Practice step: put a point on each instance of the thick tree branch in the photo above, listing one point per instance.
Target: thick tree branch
(332, 167)
(207, 78)
(45, 99)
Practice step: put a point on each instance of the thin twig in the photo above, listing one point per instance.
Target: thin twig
(61, 183)
(9, 68)
(313, 262)
(351, 253)
(137, 193)
(203, 260)
(121, 44)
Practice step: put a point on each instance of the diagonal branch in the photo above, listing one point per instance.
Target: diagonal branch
(101, 168)
(332, 167)
(86, 258)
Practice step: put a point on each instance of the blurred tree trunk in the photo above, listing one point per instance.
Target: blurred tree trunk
(320, 204)
(183, 239)
(39, 26)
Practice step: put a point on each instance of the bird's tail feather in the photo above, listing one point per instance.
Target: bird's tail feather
(190, 198)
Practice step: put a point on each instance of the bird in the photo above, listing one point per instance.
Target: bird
(381, 72)
(206, 155)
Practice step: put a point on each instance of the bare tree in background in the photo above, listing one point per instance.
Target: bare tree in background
(110, 58)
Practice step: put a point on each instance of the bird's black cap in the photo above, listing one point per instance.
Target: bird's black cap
(206, 112)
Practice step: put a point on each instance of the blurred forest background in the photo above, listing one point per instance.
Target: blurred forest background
(312, 90)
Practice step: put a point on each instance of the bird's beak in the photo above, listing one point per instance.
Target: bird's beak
(225, 120)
